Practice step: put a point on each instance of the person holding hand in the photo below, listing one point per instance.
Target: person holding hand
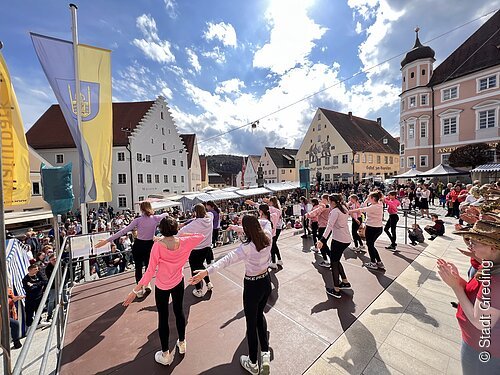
(256, 254)
(168, 256)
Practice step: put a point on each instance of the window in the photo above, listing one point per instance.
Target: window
(370, 158)
(148, 158)
(451, 93)
(345, 159)
(282, 171)
(412, 75)
(318, 162)
(401, 149)
(364, 157)
(122, 201)
(165, 161)
(182, 163)
(168, 131)
(411, 131)
(423, 72)
(423, 129)
(327, 160)
(59, 159)
(173, 162)
(319, 127)
(319, 137)
(319, 116)
(152, 140)
(182, 178)
(156, 126)
(162, 131)
(413, 101)
(121, 156)
(174, 178)
(301, 164)
(402, 132)
(378, 159)
(327, 177)
(391, 160)
(122, 178)
(450, 126)
(444, 159)
(487, 83)
(140, 178)
(423, 160)
(402, 107)
(165, 179)
(402, 163)
(386, 160)
(141, 198)
(139, 157)
(163, 146)
(149, 178)
(487, 119)
(423, 99)
(161, 115)
(157, 178)
(356, 158)
(35, 188)
(306, 163)
(335, 159)
(411, 162)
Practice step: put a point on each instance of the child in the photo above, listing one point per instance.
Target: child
(416, 234)
(435, 230)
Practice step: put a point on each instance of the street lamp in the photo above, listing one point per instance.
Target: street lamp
(128, 131)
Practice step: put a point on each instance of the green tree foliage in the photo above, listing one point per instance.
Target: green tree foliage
(470, 155)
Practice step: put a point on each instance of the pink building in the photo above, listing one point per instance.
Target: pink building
(453, 105)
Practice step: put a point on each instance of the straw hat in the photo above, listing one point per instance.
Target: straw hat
(484, 231)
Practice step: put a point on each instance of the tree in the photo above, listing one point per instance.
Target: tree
(470, 155)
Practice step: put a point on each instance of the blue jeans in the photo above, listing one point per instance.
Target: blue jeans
(51, 303)
(15, 329)
(472, 365)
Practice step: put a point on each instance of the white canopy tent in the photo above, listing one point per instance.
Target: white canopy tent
(188, 201)
(163, 203)
(220, 195)
(442, 170)
(409, 174)
(281, 186)
(251, 192)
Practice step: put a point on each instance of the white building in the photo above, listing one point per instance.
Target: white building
(193, 162)
(278, 165)
(250, 177)
(146, 147)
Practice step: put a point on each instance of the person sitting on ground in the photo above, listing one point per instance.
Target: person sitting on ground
(416, 234)
(435, 230)
(114, 261)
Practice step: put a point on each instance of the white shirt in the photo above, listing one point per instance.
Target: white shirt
(203, 225)
(337, 223)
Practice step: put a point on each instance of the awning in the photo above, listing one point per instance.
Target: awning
(26, 216)
(487, 168)
(250, 192)
(442, 170)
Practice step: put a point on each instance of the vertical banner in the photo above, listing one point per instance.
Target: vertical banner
(15, 155)
(95, 139)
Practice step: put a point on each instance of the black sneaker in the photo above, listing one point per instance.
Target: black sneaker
(332, 292)
(391, 247)
(304, 236)
(344, 285)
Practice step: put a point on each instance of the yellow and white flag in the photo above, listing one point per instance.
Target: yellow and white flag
(15, 154)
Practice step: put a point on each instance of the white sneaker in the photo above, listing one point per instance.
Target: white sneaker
(182, 346)
(266, 363)
(279, 262)
(148, 288)
(165, 359)
(361, 248)
(325, 264)
(198, 293)
(252, 368)
(372, 266)
(210, 286)
(140, 293)
(314, 248)
(273, 266)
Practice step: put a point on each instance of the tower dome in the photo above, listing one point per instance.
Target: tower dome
(418, 52)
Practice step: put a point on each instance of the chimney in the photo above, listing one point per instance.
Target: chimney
(379, 121)
(350, 115)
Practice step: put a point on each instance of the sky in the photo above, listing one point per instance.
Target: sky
(222, 64)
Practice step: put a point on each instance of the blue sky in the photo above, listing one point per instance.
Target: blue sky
(223, 63)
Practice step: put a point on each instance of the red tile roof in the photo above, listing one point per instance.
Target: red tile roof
(189, 142)
(51, 130)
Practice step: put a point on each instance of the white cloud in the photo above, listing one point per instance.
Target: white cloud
(230, 86)
(152, 46)
(193, 60)
(223, 32)
(170, 6)
(292, 36)
(359, 28)
(216, 54)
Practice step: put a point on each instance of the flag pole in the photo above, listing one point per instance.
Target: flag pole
(83, 205)
(4, 300)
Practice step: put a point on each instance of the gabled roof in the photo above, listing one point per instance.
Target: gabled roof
(254, 160)
(362, 134)
(51, 130)
(282, 157)
(476, 53)
(189, 141)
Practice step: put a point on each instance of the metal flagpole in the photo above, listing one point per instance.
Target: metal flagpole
(4, 300)
(83, 205)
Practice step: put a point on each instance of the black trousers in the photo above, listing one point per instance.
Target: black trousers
(314, 229)
(275, 251)
(196, 259)
(30, 308)
(255, 294)
(391, 225)
(355, 235)
(305, 225)
(337, 268)
(325, 250)
(162, 298)
(141, 249)
(372, 233)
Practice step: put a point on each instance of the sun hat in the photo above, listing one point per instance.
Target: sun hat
(484, 231)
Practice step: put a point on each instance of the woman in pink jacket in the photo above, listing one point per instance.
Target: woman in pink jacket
(167, 259)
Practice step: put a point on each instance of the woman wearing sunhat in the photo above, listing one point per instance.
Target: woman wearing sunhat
(478, 312)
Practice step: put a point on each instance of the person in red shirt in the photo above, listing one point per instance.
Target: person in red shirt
(478, 312)
(392, 204)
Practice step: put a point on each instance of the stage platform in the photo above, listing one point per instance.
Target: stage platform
(103, 337)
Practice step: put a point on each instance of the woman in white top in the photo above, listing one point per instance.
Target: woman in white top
(341, 239)
(256, 253)
(425, 194)
(375, 213)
